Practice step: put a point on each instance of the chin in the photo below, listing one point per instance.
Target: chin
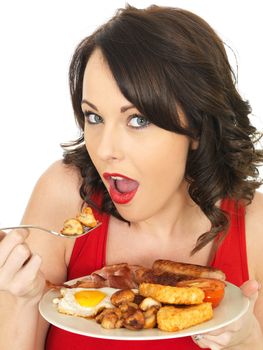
(131, 214)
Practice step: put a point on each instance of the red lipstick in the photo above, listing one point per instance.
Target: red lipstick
(122, 188)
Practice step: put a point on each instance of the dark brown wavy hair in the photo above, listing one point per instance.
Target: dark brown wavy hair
(162, 58)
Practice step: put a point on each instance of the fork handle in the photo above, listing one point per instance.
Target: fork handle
(20, 226)
(30, 226)
(15, 227)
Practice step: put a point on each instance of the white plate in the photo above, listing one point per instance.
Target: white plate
(232, 307)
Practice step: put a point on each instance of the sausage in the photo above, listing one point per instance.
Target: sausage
(197, 271)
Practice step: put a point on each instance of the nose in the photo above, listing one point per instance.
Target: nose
(110, 145)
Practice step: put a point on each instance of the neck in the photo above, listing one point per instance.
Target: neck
(183, 217)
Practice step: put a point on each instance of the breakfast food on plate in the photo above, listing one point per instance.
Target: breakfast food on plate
(130, 309)
(148, 302)
(172, 295)
(125, 276)
(83, 302)
(153, 311)
(121, 276)
(172, 318)
(196, 271)
(135, 297)
(160, 277)
(214, 289)
(123, 296)
(134, 315)
(76, 226)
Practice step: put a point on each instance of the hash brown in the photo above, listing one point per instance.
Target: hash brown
(172, 319)
(172, 295)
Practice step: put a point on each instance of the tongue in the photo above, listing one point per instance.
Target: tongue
(126, 185)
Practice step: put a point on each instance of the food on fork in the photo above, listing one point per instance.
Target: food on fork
(87, 218)
(72, 227)
(76, 226)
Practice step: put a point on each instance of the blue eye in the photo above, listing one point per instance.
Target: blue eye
(93, 118)
(138, 121)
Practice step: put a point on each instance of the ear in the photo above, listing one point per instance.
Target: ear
(194, 144)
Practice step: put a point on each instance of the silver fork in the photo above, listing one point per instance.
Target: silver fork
(86, 230)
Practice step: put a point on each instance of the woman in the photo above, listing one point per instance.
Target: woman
(166, 137)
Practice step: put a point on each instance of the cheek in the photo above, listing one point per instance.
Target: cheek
(168, 160)
(164, 173)
(91, 143)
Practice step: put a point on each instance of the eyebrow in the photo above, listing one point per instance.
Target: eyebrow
(122, 109)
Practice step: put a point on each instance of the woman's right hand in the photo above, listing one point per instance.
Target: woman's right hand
(20, 272)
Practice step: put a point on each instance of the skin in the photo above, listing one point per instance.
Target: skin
(118, 144)
(159, 229)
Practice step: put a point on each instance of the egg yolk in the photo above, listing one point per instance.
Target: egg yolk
(89, 298)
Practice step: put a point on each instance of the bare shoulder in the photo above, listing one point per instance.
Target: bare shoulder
(254, 235)
(257, 203)
(254, 240)
(254, 211)
(67, 175)
(59, 184)
(54, 199)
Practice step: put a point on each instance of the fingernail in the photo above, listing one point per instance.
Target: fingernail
(23, 230)
(36, 259)
(197, 337)
(259, 285)
(23, 233)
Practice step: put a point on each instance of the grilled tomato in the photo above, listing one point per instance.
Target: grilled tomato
(214, 289)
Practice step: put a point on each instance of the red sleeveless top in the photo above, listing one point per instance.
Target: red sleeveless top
(89, 254)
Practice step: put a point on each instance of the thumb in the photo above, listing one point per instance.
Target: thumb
(250, 288)
(2, 235)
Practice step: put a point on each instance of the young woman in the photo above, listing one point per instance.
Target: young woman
(167, 160)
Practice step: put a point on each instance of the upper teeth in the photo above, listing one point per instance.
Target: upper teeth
(117, 178)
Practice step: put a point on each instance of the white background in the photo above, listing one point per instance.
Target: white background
(37, 40)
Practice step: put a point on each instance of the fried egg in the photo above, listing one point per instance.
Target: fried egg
(84, 302)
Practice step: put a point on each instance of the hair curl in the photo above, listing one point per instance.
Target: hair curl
(162, 58)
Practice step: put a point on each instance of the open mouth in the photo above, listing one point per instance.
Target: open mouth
(122, 189)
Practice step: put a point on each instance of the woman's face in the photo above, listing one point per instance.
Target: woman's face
(141, 165)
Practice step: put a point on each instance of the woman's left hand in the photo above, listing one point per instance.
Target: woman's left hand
(244, 333)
